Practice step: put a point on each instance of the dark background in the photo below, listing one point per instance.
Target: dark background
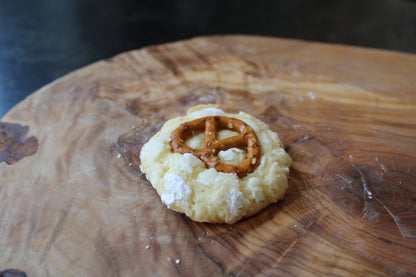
(41, 40)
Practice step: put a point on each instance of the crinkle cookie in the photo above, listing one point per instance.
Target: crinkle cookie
(215, 166)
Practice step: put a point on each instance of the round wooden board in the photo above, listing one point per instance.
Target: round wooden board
(79, 205)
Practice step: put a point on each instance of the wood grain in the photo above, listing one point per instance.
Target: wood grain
(79, 205)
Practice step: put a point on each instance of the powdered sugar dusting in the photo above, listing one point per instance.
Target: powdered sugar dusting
(235, 202)
(208, 112)
(232, 156)
(206, 176)
(189, 162)
(175, 189)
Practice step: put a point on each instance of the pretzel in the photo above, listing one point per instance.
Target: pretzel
(211, 125)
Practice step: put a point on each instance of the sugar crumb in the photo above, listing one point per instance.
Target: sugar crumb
(311, 95)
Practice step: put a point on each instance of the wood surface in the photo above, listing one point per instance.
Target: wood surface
(79, 205)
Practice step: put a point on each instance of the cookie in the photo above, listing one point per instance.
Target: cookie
(215, 166)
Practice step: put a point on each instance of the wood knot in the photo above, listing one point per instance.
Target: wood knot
(13, 143)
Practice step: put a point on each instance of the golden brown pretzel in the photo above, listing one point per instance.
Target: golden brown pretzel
(210, 125)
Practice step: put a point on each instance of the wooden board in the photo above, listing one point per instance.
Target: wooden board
(79, 206)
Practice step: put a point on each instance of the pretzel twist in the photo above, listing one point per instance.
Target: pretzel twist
(208, 154)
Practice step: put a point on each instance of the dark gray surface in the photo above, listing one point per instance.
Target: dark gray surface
(43, 40)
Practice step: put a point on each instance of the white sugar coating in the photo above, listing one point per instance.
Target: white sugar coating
(186, 185)
(175, 189)
(256, 190)
(196, 141)
(235, 202)
(233, 156)
(207, 176)
(208, 111)
(190, 162)
(160, 145)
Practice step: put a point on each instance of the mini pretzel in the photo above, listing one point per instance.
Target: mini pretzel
(211, 125)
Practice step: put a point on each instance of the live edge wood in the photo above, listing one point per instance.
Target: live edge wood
(80, 207)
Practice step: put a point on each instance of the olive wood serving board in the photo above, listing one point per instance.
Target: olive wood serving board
(79, 205)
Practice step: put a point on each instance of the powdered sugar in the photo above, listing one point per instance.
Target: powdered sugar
(207, 112)
(207, 177)
(235, 202)
(232, 156)
(189, 162)
(175, 189)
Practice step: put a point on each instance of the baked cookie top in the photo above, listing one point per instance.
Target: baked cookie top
(206, 192)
